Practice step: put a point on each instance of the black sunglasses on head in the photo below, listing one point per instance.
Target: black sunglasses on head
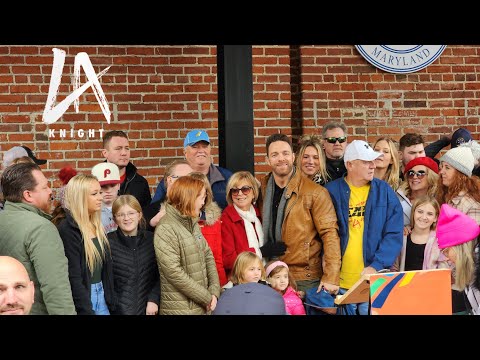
(333, 140)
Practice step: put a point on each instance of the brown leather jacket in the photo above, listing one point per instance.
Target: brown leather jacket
(310, 224)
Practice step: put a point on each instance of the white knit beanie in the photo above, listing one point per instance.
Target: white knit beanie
(461, 158)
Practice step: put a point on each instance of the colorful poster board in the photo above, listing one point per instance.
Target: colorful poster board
(422, 292)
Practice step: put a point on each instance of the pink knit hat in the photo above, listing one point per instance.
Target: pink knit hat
(454, 227)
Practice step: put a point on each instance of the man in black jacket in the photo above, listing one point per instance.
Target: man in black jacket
(116, 150)
(334, 135)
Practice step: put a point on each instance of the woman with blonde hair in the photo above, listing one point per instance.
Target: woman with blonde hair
(387, 166)
(311, 159)
(241, 225)
(135, 270)
(421, 178)
(188, 275)
(87, 248)
(211, 226)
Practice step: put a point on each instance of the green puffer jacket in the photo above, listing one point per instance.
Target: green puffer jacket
(188, 276)
(28, 236)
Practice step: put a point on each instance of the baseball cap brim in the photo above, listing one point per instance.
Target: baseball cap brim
(110, 182)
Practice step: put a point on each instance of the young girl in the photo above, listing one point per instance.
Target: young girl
(279, 279)
(188, 275)
(135, 269)
(418, 246)
(248, 267)
(87, 248)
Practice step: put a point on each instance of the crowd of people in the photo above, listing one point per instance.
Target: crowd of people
(324, 216)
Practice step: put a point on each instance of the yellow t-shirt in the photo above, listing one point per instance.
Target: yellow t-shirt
(352, 260)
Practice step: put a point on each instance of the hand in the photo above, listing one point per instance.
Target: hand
(407, 230)
(368, 270)
(331, 288)
(152, 308)
(213, 304)
(154, 221)
(271, 249)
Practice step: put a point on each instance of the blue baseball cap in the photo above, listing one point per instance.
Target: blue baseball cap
(195, 136)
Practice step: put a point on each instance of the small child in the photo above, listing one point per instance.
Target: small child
(280, 280)
(248, 267)
(108, 176)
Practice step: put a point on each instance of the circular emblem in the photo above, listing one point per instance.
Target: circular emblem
(400, 59)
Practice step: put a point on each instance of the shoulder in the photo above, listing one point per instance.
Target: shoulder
(225, 172)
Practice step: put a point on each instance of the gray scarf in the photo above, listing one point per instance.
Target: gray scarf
(267, 211)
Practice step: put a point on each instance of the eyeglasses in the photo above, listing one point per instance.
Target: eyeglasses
(420, 174)
(333, 140)
(130, 215)
(244, 189)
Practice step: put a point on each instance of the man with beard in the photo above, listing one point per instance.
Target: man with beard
(16, 288)
(299, 221)
(29, 236)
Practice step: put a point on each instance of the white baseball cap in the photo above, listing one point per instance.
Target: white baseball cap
(360, 150)
(106, 173)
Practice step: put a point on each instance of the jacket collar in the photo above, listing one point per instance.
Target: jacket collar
(23, 206)
(187, 221)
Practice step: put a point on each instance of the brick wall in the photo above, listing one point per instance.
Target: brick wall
(158, 93)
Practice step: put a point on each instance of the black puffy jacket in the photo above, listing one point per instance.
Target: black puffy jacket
(135, 272)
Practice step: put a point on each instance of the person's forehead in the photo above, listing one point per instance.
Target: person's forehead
(118, 140)
(279, 146)
(182, 169)
(335, 131)
(414, 148)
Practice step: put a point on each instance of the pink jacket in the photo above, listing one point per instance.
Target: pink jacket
(293, 304)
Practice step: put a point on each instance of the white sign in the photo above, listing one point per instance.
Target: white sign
(400, 59)
(52, 113)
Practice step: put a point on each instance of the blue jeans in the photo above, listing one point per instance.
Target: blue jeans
(352, 309)
(98, 299)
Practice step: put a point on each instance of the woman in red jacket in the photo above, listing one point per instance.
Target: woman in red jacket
(211, 226)
(241, 226)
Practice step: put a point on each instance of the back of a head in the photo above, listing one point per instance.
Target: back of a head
(16, 179)
(250, 299)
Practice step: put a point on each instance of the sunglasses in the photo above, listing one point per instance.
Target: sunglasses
(244, 189)
(420, 174)
(333, 140)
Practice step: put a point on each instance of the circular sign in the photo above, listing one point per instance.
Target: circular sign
(400, 59)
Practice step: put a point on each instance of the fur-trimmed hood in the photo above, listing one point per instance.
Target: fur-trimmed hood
(212, 213)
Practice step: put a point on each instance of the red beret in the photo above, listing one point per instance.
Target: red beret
(426, 161)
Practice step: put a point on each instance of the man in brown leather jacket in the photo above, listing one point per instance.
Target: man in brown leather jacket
(305, 236)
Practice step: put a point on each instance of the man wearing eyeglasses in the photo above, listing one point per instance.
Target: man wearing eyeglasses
(154, 212)
(334, 135)
(370, 219)
(299, 221)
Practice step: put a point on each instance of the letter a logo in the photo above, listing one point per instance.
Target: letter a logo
(52, 113)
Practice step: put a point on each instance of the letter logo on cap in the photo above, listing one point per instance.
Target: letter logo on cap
(106, 172)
